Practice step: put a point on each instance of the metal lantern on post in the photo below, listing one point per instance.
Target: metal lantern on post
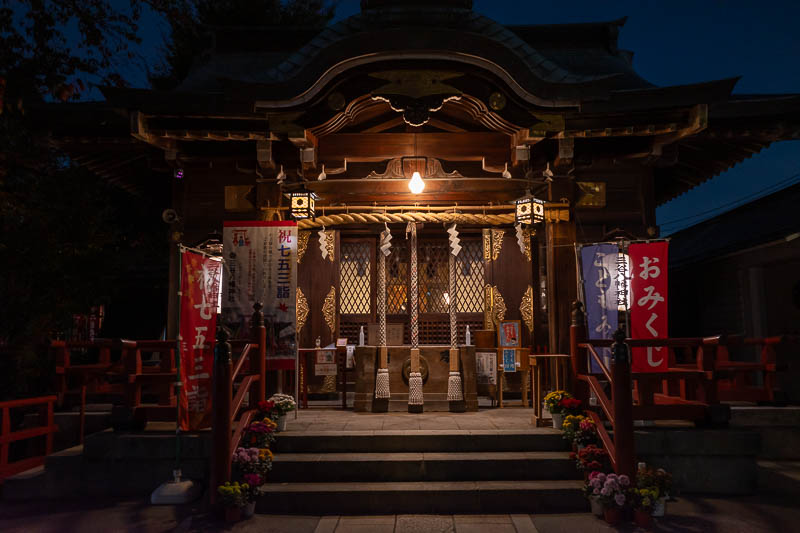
(303, 204)
(529, 210)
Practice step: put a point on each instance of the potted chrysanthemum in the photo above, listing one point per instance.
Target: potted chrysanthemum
(233, 497)
(613, 497)
(554, 406)
(282, 404)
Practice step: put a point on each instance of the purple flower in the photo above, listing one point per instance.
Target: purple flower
(596, 491)
(596, 483)
(624, 480)
(606, 491)
(620, 499)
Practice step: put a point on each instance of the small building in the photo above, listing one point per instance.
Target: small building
(739, 274)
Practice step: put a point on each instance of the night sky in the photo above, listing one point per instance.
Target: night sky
(675, 42)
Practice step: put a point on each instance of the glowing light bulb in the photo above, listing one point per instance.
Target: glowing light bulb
(416, 184)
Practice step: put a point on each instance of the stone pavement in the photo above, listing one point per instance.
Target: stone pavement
(337, 420)
(764, 513)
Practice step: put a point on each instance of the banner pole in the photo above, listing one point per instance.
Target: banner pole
(178, 383)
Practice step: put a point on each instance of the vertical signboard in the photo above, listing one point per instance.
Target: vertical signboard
(649, 303)
(600, 288)
(200, 279)
(261, 266)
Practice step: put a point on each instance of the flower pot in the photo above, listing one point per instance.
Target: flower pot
(660, 507)
(233, 513)
(612, 515)
(558, 420)
(642, 518)
(249, 509)
(597, 506)
(281, 423)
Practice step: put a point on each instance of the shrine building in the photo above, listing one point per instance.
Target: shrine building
(485, 113)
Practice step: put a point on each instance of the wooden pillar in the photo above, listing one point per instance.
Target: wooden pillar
(221, 424)
(578, 355)
(258, 357)
(622, 402)
(562, 286)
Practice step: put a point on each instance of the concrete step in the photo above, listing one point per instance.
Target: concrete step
(419, 466)
(427, 497)
(26, 485)
(389, 441)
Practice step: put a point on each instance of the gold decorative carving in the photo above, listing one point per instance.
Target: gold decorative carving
(494, 307)
(301, 310)
(529, 233)
(395, 170)
(488, 323)
(487, 246)
(302, 244)
(499, 306)
(330, 244)
(526, 308)
(416, 84)
(497, 242)
(329, 310)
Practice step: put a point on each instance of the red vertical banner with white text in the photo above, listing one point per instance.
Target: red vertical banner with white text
(200, 283)
(649, 285)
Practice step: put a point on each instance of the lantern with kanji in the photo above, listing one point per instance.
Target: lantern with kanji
(529, 210)
(303, 204)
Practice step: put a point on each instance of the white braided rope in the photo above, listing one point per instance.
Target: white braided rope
(413, 300)
(415, 388)
(454, 393)
(452, 306)
(382, 299)
(382, 383)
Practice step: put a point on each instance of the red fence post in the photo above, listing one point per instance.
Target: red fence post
(578, 357)
(221, 425)
(258, 360)
(622, 401)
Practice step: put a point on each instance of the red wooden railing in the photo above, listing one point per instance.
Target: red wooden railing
(230, 418)
(9, 468)
(689, 390)
(120, 374)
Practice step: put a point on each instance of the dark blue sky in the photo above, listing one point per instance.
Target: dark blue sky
(676, 42)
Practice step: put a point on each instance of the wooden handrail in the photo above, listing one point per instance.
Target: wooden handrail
(605, 438)
(10, 468)
(240, 361)
(597, 359)
(227, 407)
(244, 421)
(244, 387)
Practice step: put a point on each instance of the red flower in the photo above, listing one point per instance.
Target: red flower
(266, 406)
(569, 403)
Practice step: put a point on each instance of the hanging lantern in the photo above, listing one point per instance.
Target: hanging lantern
(530, 210)
(303, 204)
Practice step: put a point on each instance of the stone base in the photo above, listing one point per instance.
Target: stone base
(434, 387)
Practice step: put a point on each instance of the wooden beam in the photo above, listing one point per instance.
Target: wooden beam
(387, 125)
(491, 147)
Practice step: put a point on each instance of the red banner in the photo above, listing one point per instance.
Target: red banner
(200, 284)
(649, 304)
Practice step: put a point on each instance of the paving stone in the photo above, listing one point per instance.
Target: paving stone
(424, 524)
(366, 524)
(327, 524)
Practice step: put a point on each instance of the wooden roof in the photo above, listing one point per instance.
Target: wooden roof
(405, 79)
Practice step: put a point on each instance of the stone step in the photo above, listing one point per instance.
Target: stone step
(426, 497)
(27, 485)
(423, 440)
(419, 466)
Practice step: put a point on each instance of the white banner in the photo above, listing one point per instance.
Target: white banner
(261, 266)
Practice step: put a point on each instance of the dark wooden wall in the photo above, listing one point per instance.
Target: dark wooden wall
(315, 277)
